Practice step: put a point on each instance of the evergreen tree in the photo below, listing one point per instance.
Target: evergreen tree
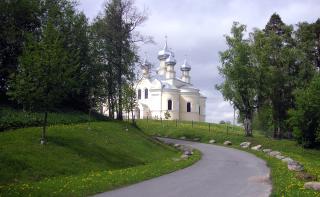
(44, 75)
(278, 64)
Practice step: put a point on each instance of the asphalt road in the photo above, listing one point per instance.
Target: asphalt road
(222, 172)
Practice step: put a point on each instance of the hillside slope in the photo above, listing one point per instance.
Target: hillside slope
(77, 161)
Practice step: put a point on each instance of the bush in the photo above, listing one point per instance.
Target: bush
(305, 118)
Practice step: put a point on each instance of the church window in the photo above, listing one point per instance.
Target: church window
(188, 107)
(169, 104)
(146, 93)
(139, 94)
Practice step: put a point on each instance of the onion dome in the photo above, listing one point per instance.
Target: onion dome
(185, 66)
(164, 53)
(171, 60)
(146, 64)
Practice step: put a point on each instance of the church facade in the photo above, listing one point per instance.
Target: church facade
(163, 92)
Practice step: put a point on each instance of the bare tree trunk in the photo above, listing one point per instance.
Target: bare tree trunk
(89, 128)
(119, 114)
(44, 129)
(248, 126)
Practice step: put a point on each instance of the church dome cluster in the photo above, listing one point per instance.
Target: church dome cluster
(163, 91)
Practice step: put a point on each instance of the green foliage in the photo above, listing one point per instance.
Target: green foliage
(278, 63)
(305, 118)
(129, 98)
(167, 115)
(262, 121)
(104, 158)
(115, 41)
(262, 73)
(43, 76)
(239, 86)
(18, 18)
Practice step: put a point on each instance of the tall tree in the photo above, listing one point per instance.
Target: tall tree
(74, 29)
(239, 86)
(44, 75)
(18, 18)
(117, 37)
(278, 62)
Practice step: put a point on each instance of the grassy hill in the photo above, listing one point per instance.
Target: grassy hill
(78, 162)
(285, 182)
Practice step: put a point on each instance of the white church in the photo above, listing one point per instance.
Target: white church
(163, 91)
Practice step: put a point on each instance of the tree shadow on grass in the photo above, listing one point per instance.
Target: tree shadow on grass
(96, 154)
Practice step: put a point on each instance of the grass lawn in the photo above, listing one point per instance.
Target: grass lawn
(79, 162)
(285, 182)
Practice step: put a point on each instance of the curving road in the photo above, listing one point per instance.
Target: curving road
(222, 172)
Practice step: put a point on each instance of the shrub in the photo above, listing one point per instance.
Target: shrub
(305, 118)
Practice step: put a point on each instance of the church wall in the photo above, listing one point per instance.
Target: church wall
(194, 113)
(175, 97)
(155, 104)
(203, 108)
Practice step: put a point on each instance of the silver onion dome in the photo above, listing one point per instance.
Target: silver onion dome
(171, 60)
(146, 64)
(164, 53)
(185, 66)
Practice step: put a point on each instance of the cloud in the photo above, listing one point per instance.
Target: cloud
(196, 28)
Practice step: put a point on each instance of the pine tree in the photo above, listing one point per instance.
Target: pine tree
(44, 76)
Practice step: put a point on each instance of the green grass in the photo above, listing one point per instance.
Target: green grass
(12, 119)
(78, 162)
(285, 182)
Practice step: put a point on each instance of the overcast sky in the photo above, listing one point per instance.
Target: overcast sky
(196, 28)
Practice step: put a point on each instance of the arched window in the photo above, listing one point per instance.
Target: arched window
(169, 104)
(188, 107)
(139, 94)
(199, 110)
(146, 93)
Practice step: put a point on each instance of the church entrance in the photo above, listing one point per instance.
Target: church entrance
(137, 113)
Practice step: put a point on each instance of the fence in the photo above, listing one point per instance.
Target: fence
(195, 126)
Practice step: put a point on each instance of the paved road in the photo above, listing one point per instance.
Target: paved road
(222, 172)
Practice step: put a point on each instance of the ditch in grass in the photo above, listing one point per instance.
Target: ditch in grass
(285, 182)
(79, 162)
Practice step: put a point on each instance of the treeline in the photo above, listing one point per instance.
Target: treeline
(272, 79)
(52, 57)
